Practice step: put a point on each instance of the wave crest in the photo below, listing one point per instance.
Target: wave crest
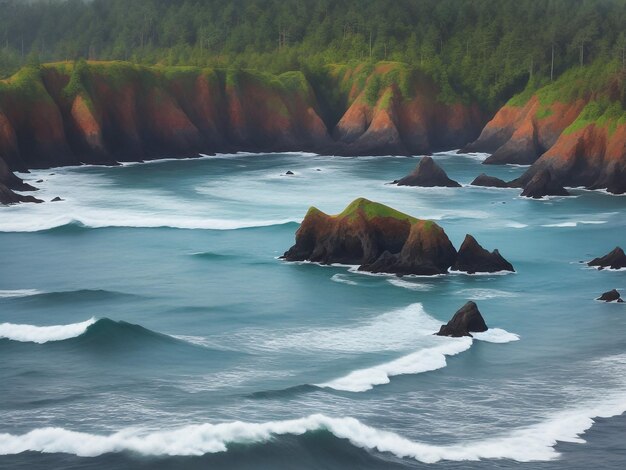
(531, 443)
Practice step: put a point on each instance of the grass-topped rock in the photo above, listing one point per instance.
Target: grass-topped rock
(375, 237)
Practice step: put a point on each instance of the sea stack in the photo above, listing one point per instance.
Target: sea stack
(611, 296)
(428, 174)
(543, 184)
(473, 258)
(375, 237)
(489, 182)
(616, 259)
(466, 320)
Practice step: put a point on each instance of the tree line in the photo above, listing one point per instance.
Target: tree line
(476, 49)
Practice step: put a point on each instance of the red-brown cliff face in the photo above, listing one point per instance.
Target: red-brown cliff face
(572, 131)
(397, 112)
(105, 112)
(520, 134)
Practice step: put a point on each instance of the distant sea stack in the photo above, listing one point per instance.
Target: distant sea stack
(473, 258)
(543, 184)
(428, 174)
(380, 239)
(466, 320)
(611, 296)
(616, 259)
(489, 182)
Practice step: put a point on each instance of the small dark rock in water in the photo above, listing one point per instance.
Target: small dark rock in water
(611, 296)
(465, 321)
(543, 184)
(39, 181)
(289, 173)
(489, 181)
(56, 199)
(616, 259)
(317, 169)
(428, 174)
(473, 258)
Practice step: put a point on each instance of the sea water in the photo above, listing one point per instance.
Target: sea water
(146, 321)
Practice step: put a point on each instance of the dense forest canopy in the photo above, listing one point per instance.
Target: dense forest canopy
(475, 49)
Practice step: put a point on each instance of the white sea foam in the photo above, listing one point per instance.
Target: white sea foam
(573, 223)
(343, 279)
(391, 331)
(496, 335)
(418, 286)
(424, 360)
(18, 293)
(43, 334)
(513, 224)
(485, 294)
(497, 273)
(525, 444)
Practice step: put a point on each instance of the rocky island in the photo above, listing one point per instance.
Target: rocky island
(616, 259)
(428, 174)
(380, 239)
(466, 320)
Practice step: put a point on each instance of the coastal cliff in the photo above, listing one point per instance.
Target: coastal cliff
(574, 129)
(107, 112)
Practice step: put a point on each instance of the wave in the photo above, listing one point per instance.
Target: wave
(394, 330)
(67, 224)
(526, 444)
(5, 294)
(513, 224)
(85, 295)
(212, 255)
(485, 294)
(104, 331)
(409, 285)
(576, 223)
(43, 334)
(424, 360)
(342, 279)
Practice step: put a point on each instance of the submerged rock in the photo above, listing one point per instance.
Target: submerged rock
(473, 258)
(616, 259)
(489, 181)
(465, 321)
(57, 199)
(611, 296)
(428, 174)
(543, 184)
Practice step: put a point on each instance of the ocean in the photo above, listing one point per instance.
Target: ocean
(146, 321)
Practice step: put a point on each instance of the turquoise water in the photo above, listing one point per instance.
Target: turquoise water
(182, 341)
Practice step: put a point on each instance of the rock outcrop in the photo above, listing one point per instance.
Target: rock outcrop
(380, 239)
(611, 296)
(375, 237)
(473, 258)
(7, 196)
(616, 259)
(8, 179)
(489, 181)
(428, 174)
(466, 320)
(543, 184)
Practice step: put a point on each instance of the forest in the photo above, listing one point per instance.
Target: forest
(480, 50)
